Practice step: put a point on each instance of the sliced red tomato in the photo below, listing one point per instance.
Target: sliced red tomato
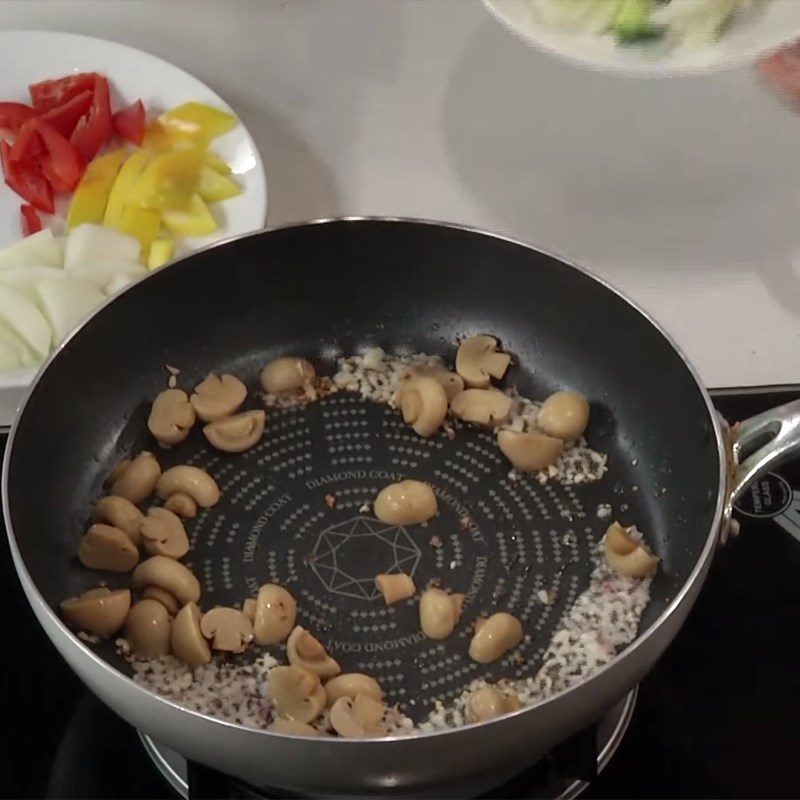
(30, 220)
(61, 163)
(13, 116)
(65, 117)
(26, 179)
(50, 94)
(129, 123)
(94, 129)
(28, 147)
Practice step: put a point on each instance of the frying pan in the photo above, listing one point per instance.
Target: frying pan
(338, 286)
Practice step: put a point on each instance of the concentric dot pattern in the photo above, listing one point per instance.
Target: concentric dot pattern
(296, 510)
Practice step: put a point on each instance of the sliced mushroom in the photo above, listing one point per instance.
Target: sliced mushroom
(406, 503)
(274, 614)
(423, 403)
(358, 718)
(451, 382)
(351, 684)
(167, 599)
(136, 479)
(488, 703)
(98, 611)
(217, 397)
(109, 548)
(296, 693)
(627, 556)
(195, 482)
(303, 650)
(187, 640)
(495, 637)
(439, 612)
(171, 417)
(119, 513)
(168, 574)
(564, 415)
(395, 587)
(229, 628)
(182, 504)
(163, 534)
(482, 406)
(293, 727)
(147, 629)
(529, 452)
(237, 433)
(477, 361)
(287, 374)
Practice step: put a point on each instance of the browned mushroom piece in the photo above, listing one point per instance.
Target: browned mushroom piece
(287, 374)
(163, 534)
(136, 479)
(494, 637)
(229, 629)
(237, 433)
(217, 397)
(274, 614)
(168, 574)
(564, 415)
(351, 684)
(395, 586)
(99, 611)
(482, 406)
(119, 513)
(627, 555)
(358, 718)
(303, 650)
(296, 693)
(408, 502)
(187, 640)
(195, 482)
(182, 504)
(147, 629)
(171, 417)
(487, 702)
(423, 403)
(478, 361)
(529, 451)
(167, 599)
(451, 382)
(108, 548)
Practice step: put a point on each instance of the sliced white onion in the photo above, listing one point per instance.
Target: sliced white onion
(90, 244)
(38, 249)
(25, 320)
(66, 302)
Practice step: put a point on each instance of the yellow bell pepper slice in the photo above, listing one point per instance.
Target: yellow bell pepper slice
(169, 181)
(160, 252)
(142, 223)
(196, 220)
(198, 119)
(217, 163)
(213, 187)
(162, 139)
(127, 178)
(92, 194)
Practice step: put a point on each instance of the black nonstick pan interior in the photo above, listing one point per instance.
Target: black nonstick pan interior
(324, 290)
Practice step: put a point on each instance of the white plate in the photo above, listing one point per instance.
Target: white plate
(31, 56)
(757, 34)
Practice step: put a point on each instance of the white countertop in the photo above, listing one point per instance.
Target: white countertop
(685, 193)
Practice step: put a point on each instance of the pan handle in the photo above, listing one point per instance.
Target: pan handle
(763, 441)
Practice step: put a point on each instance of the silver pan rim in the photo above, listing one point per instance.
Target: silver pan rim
(41, 606)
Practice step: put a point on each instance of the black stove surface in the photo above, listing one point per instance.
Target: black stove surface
(717, 717)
